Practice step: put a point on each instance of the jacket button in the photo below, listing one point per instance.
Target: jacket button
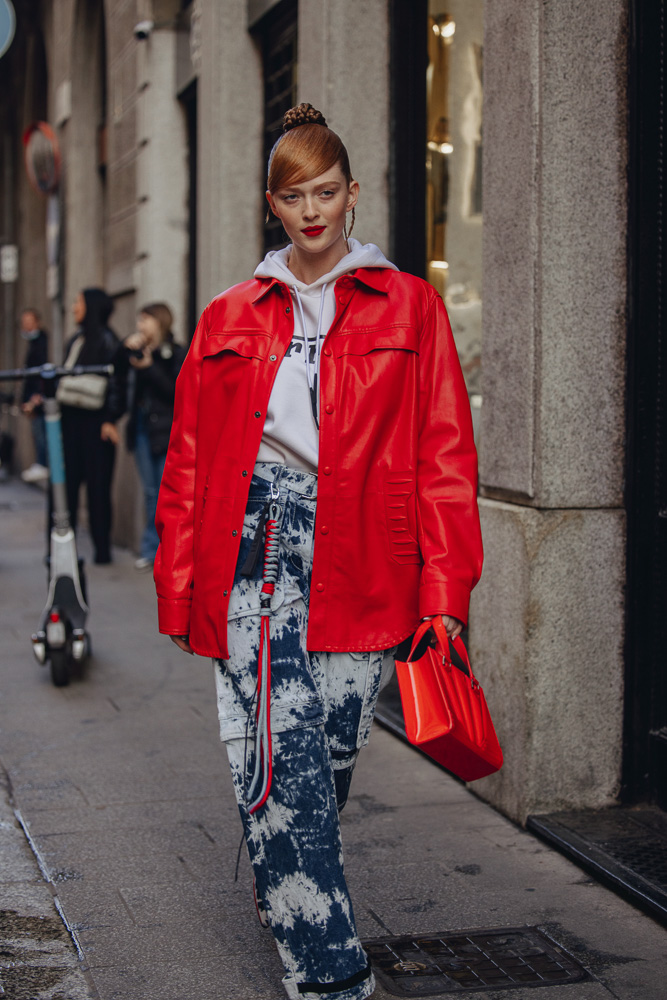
(324, 530)
(225, 593)
(320, 587)
(327, 470)
(273, 357)
(245, 472)
(329, 408)
(257, 413)
(327, 352)
(234, 533)
(288, 310)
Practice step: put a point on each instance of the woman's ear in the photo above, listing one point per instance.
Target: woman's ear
(272, 205)
(352, 195)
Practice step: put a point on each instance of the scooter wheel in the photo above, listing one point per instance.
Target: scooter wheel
(59, 667)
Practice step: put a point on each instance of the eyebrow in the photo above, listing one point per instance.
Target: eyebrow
(297, 187)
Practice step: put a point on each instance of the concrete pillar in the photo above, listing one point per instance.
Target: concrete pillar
(231, 179)
(160, 273)
(547, 619)
(85, 191)
(344, 71)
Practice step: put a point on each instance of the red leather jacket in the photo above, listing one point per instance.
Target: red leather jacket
(397, 531)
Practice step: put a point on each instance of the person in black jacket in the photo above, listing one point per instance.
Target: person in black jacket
(156, 360)
(32, 399)
(89, 431)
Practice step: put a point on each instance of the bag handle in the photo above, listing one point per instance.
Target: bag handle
(443, 641)
(74, 351)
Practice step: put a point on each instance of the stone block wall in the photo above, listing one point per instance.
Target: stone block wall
(547, 618)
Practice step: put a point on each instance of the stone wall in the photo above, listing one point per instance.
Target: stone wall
(344, 71)
(547, 619)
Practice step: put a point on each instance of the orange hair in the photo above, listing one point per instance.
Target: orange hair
(306, 149)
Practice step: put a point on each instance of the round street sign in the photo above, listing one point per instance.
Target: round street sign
(42, 157)
(7, 25)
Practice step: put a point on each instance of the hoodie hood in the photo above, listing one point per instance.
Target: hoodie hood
(275, 265)
(291, 428)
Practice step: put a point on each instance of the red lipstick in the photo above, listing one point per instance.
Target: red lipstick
(313, 230)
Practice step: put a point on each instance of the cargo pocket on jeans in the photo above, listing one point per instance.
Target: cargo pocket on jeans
(372, 688)
(244, 599)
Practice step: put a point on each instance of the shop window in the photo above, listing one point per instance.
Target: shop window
(454, 174)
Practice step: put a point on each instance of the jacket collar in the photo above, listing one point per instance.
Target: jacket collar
(265, 286)
(375, 278)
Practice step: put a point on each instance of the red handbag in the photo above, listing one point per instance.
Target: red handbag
(444, 708)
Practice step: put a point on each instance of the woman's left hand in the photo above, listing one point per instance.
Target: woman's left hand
(452, 625)
(109, 432)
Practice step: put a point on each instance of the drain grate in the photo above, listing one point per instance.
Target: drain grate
(506, 958)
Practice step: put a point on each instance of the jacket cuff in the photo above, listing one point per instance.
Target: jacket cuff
(447, 598)
(174, 616)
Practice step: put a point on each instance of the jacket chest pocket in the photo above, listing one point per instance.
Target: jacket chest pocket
(361, 342)
(380, 365)
(243, 344)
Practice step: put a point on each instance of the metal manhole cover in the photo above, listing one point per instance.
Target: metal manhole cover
(507, 958)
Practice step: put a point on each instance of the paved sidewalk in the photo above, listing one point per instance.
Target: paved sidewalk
(123, 786)
(38, 960)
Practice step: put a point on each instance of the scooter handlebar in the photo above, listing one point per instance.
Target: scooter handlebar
(49, 371)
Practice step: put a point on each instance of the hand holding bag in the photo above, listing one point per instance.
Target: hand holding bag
(445, 710)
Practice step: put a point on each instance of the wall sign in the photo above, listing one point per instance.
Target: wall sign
(7, 25)
(9, 263)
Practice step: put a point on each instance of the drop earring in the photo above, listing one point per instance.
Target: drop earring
(345, 232)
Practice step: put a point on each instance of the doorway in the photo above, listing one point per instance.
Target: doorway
(645, 750)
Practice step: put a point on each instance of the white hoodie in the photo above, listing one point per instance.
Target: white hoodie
(291, 435)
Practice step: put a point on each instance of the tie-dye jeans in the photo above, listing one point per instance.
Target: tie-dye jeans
(322, 706)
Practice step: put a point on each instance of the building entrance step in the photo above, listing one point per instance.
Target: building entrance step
(624, 848)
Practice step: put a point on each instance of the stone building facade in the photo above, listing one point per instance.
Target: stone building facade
(525, 225)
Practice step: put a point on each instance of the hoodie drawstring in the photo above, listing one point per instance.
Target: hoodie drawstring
(312, 373)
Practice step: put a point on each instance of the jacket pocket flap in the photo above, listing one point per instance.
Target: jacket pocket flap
(249, 344)
(397, 338)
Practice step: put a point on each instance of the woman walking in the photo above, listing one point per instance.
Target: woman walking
(318, 499)
(90, 406)
(155, 359)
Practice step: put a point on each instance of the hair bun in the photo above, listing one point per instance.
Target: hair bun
(302, 114)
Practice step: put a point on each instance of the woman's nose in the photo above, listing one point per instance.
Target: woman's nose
(310, 210)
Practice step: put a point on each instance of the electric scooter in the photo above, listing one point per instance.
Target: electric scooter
(61, 638)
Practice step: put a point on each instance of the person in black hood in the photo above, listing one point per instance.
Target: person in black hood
(89, 422)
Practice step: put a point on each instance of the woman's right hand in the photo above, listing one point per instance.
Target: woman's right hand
(182, 641)
(135, 342)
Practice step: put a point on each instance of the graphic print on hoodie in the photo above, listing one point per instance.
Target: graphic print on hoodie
(291, 435)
